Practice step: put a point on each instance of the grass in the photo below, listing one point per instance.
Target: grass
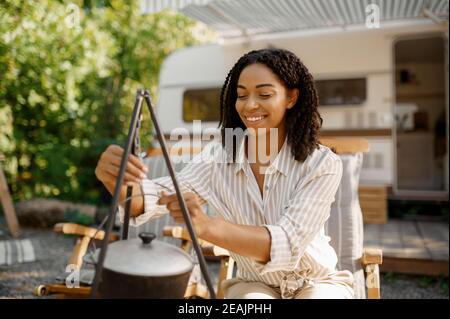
(424, 282)
(443, 284)
(440, 281)
(390, 277)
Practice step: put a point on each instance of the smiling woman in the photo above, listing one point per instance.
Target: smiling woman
(271, 214)
(268, 83)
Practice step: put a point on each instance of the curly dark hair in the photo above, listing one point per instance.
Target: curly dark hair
(303, 120)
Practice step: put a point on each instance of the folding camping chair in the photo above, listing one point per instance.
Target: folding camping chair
(347, 239)
(345, 226)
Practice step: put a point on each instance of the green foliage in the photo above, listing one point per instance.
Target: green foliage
(443, 283)
(75, 216)
(67, 90)
(440, 281)
(425, 281)
(390, 277)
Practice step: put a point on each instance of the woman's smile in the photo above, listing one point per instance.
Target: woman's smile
(254, 119)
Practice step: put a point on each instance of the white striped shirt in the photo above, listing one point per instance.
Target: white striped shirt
(294, 207)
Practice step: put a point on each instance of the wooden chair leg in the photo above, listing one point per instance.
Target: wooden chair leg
(79, 251)
(373, 281)
(226, 272)
(371, 260)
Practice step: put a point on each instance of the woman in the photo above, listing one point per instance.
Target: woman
(272, 208)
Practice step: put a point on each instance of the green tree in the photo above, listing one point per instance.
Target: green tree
(44, 61)
(66, 91)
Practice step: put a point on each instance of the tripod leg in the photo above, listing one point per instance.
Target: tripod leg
(184, 210)
(115, 201)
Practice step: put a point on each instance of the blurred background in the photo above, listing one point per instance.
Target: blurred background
(70, 71)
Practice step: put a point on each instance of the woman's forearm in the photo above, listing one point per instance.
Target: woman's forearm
(137, 201)
(249, 241)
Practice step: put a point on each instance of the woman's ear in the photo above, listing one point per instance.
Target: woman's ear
(292, 97)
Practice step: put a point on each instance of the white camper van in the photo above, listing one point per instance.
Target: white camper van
(388, 85)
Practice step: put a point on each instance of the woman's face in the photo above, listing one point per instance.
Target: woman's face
(262, 98)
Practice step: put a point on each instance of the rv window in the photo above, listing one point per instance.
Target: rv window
(201, 104)
(342, 91)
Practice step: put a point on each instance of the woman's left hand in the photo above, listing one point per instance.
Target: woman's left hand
(199, 219)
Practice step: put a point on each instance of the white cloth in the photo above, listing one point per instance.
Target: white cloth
(294, 208)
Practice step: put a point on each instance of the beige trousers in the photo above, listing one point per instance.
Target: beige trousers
(327, 288)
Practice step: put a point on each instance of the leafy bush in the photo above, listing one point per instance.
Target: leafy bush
(67, 90)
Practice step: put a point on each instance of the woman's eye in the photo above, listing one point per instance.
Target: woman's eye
(265, 95)
(240, 97)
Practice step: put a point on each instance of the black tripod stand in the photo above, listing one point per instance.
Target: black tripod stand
(131, 146)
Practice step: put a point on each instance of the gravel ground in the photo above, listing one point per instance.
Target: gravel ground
(52, 251)
(18, 281)
(396, 286)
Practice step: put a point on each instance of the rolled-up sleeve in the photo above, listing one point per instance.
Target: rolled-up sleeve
(304, 216)
(194, 177)
(152, 210)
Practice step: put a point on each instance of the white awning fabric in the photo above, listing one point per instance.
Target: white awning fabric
(234, 18)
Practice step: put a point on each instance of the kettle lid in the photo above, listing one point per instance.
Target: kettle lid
(145, 256)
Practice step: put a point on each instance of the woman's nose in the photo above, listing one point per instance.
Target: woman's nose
(251, 104)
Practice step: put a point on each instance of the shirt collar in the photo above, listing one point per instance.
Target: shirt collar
(280, 164)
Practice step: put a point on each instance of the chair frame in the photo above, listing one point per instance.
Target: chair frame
(370, 260)
(84, 237)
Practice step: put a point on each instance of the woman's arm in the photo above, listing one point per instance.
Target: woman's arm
(278, 246)
(137, 202)
(245, 240)
(249, 241)
(195, 176)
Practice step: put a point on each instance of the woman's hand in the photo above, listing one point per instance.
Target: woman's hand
(107, 171)
(199, 219)
(108, 167)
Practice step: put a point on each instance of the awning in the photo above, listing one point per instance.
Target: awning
(234, 18)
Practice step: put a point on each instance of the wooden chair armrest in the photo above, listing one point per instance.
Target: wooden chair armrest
(372, 256)
(178, 232)
(182, 233)
(213, 250)
(75, 229)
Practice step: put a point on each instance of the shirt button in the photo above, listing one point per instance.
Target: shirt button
(267, 187)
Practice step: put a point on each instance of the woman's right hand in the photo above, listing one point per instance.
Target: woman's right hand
(108, 167)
